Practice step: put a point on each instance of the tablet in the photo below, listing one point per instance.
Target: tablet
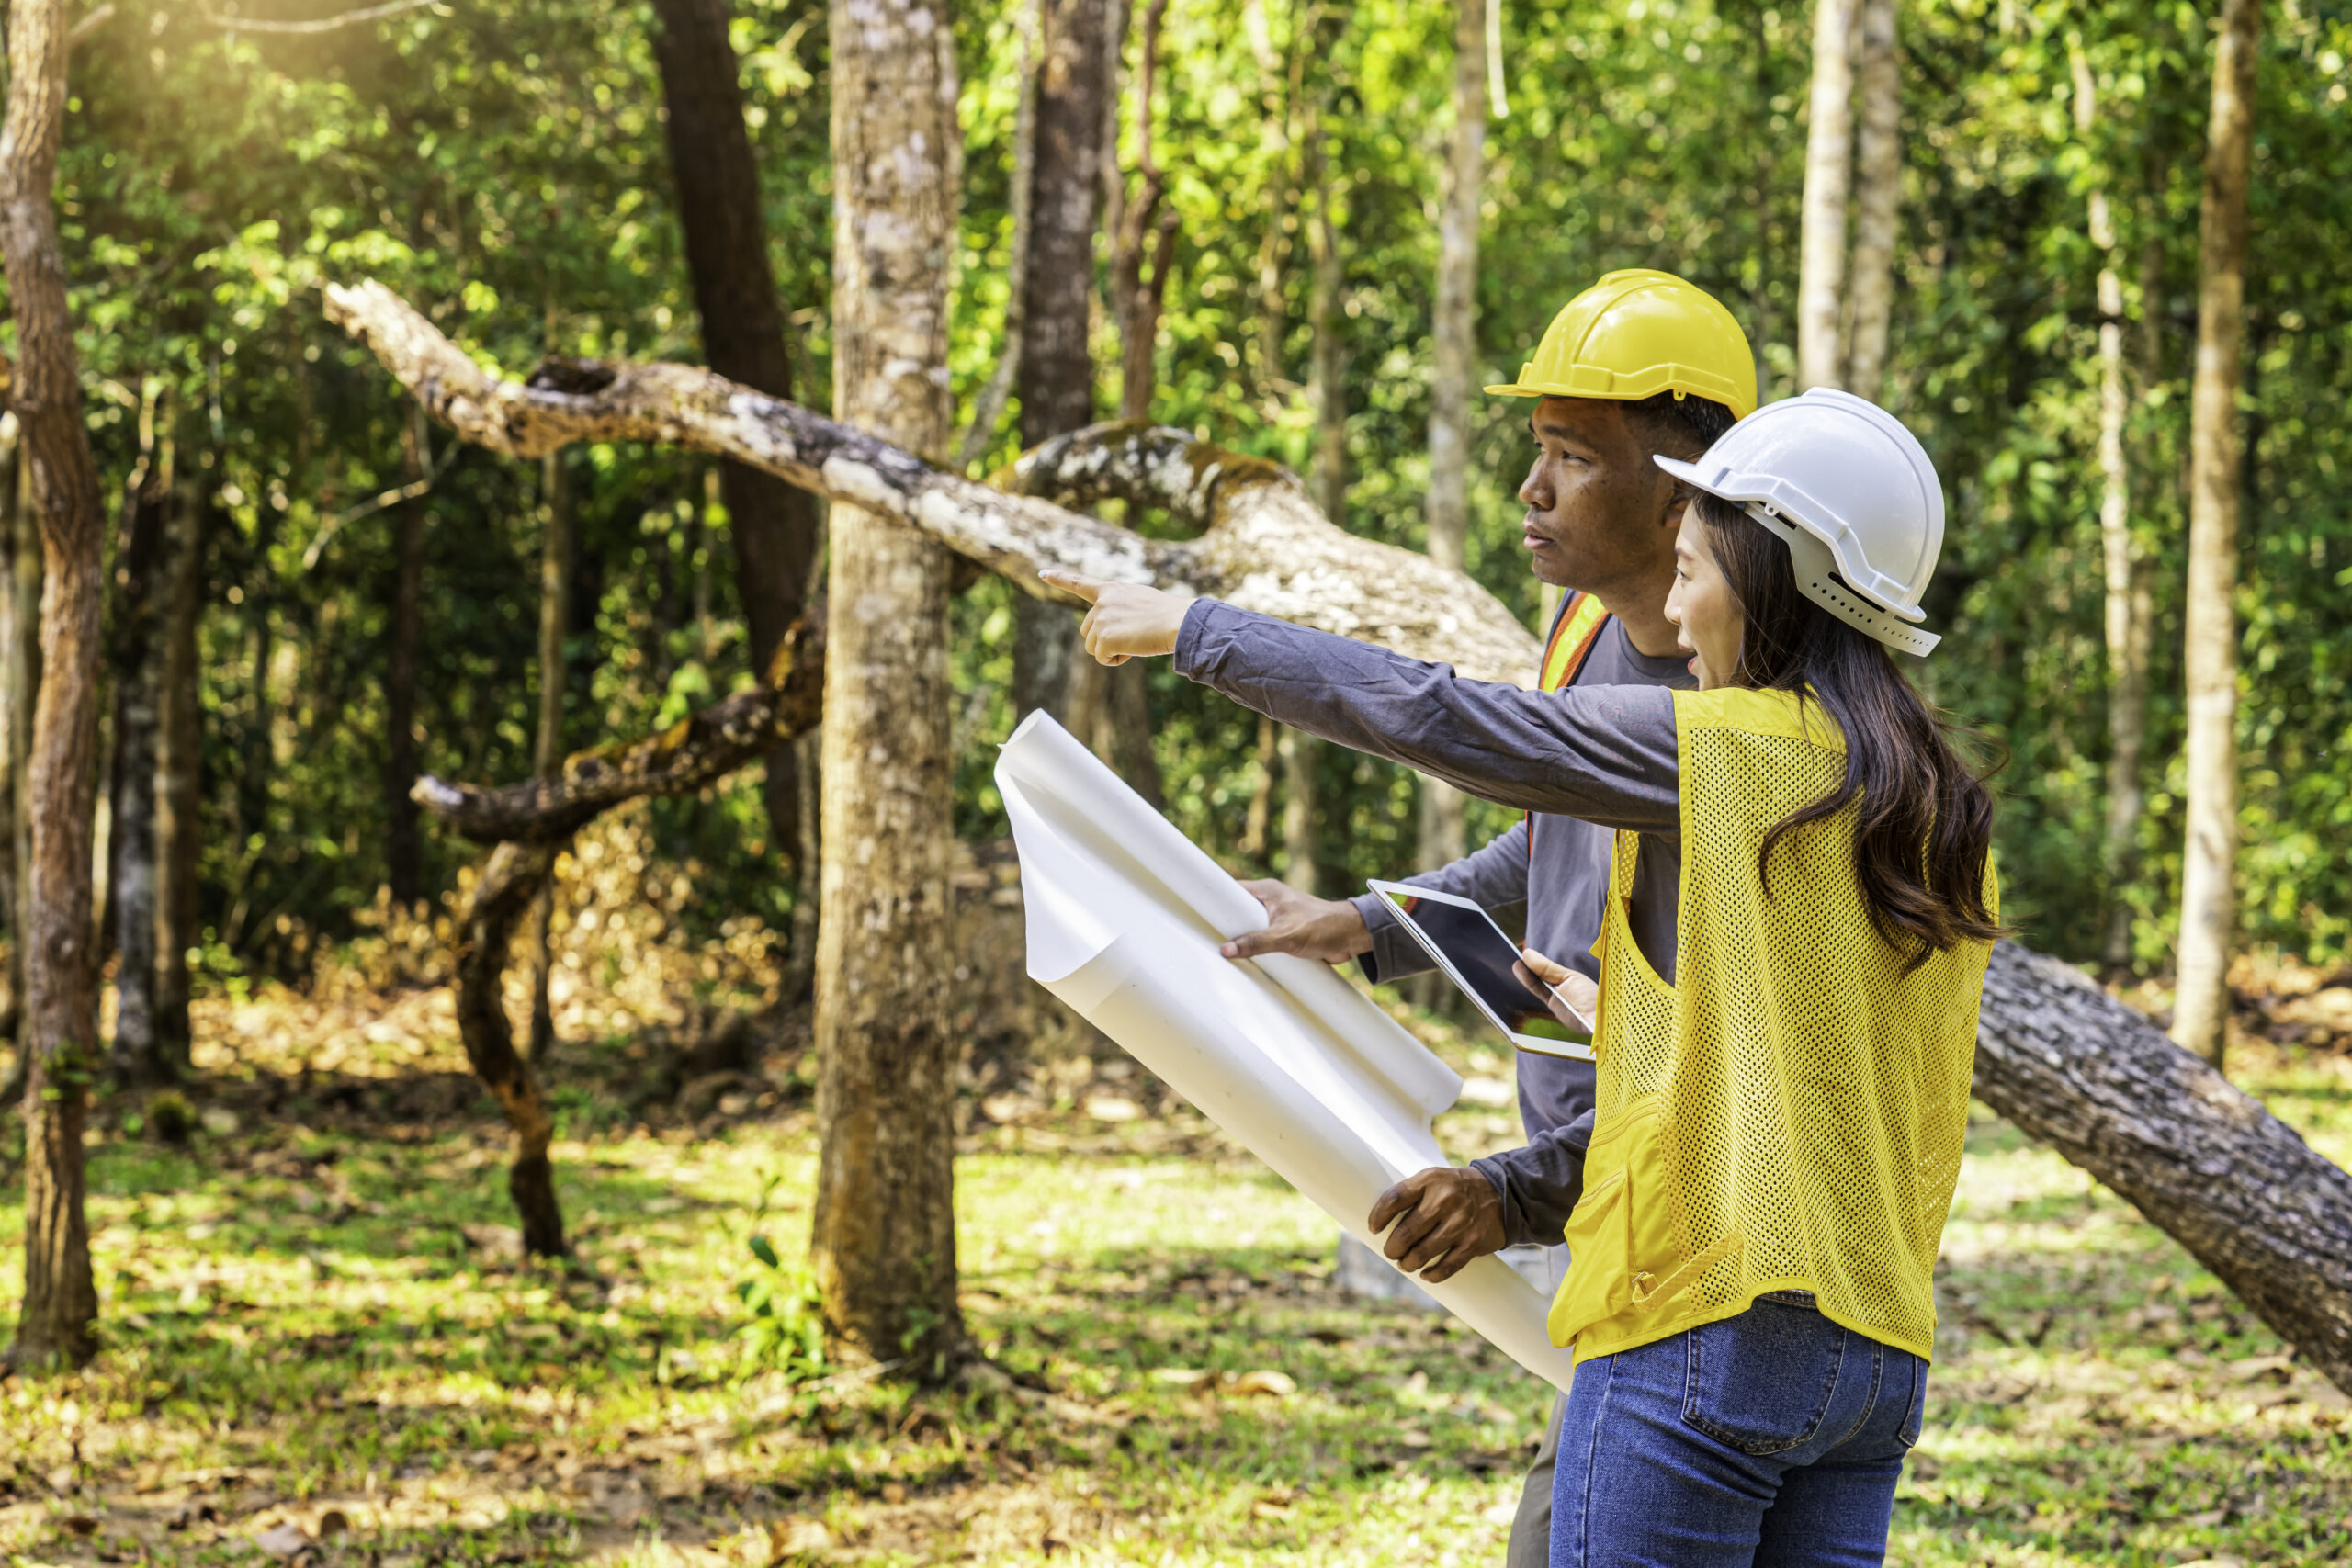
(1475, 954)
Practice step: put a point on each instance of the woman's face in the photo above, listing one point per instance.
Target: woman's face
(1706, 613)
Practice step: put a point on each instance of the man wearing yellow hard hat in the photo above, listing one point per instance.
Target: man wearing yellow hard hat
(1640, 365)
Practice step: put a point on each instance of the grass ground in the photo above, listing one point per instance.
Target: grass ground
(319, 1346)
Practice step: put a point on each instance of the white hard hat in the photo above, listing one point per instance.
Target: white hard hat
(1853, 493)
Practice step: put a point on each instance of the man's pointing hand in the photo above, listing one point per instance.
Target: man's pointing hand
(1128, 621)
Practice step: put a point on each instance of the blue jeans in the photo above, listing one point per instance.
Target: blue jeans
(1771, 1439)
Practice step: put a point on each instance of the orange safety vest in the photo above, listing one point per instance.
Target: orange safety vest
(1574, 631)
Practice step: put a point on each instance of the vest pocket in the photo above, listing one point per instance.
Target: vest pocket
(1621, 1237)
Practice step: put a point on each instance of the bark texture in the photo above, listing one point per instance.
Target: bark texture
(139, 1055)
(883, 1241)
(14, 727)
(509, 884)
(60, 1034)
(2100, 1084)
(1266, 547)
(2208, 868)
(179, 749)
(1829, 179)
(23, 655)
(745, 336)
(1878, 199)
(2073, 1067)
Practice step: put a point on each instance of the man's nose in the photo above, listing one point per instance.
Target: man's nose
(1534, 491)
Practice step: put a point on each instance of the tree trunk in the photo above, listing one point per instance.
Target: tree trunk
(1878, 199)
(1454, 330)
(883, 1240)
(2071, 1066)
(509, 884)
(59, 1323)
(1055, 375)
(12, 755)
(1298, 754)
(27, 568)
(1278, 83)
(2126, 582)
(179, 744)
(744, 334)
(2207, 881)
(1147, 229)
(1329, 390)
(547, 753)
(403, 856)
(1261, 814)
(1828, 143)
(139, 1056)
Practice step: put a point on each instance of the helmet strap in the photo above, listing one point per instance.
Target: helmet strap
(1817, 580)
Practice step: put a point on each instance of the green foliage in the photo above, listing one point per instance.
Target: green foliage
(503, 167)
(786, 1333)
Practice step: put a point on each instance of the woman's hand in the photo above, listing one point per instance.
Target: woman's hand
(1128, 621)
(1572, 997)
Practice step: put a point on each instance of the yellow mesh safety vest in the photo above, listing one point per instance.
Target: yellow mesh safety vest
(1789, 1114)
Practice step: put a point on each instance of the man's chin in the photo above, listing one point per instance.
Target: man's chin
(1549, 567)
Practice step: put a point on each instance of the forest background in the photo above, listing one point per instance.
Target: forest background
(505, 167)
(316, 597)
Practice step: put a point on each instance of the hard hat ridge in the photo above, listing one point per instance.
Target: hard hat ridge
(1854, 494)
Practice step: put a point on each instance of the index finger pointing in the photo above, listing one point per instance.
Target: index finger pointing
(1086, 588)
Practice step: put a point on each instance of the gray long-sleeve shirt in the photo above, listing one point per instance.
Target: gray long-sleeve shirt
(1582, 762)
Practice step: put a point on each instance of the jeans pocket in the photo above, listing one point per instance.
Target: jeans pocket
(1760, 1382)
(1913, 1418)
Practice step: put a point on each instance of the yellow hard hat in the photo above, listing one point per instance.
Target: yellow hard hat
(1636, 333)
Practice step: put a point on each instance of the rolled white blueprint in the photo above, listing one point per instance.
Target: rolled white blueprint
(1125, 918)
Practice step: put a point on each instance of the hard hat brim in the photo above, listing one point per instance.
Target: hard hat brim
(1777, 498)
(1629, 386)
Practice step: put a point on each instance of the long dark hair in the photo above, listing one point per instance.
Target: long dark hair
(1923, 817)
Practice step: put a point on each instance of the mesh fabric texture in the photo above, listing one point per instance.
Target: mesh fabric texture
(1798, 1099)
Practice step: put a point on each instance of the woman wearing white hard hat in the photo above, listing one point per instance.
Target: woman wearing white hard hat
(1785, 1051)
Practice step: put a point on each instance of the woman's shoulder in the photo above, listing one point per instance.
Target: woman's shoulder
(1790, 715)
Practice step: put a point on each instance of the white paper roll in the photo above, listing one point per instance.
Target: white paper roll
(1125, 918)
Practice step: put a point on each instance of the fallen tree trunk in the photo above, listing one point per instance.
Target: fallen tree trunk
(1267, 548)
(2249, 1199)
(2069, 1064)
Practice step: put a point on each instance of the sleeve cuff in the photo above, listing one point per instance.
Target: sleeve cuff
(1190, 658)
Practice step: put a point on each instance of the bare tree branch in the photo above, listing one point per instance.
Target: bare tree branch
(368, 508)
(91, 22)
(696, 750)
(323, 24)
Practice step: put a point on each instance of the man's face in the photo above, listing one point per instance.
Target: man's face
(1598, 509)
